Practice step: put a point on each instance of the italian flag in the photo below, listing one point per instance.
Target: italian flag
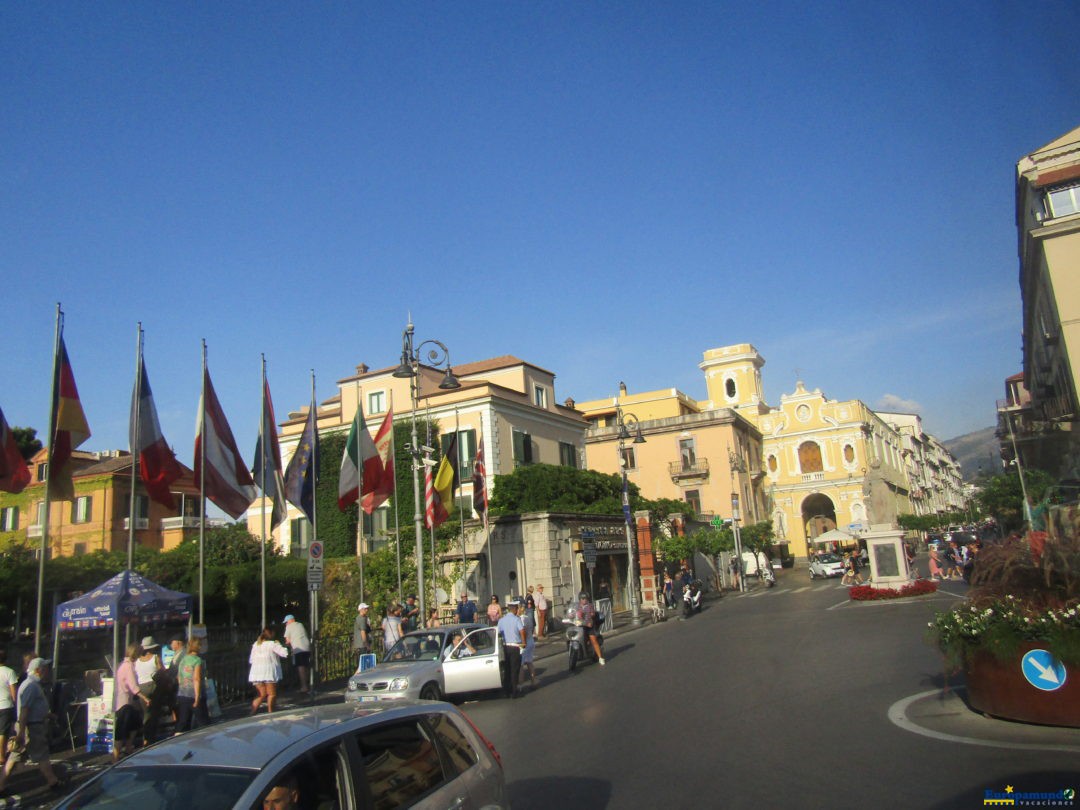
(361, 460)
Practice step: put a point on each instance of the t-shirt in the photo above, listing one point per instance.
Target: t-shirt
(297, 637)
(186, 674)
(540, 600)
(466, 611)
(510, 627)
(361, 626)
(8, 679)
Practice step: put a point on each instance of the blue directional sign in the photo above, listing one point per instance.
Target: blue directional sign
(1043, 671)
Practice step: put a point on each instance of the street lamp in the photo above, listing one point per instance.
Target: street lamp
(737, 465)
(438, 356)
(625, 421)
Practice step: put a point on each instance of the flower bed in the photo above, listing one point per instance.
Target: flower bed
(868, 593)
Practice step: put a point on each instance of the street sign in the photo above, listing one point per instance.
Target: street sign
(1043, 671)
(717, 522)
(588, 551)
(315, 565)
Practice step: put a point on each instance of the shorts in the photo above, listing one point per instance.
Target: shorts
(302, 658)
(37, 742)
(7, 722)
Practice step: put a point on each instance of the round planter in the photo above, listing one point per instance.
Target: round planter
(1000, 689)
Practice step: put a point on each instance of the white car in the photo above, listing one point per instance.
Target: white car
(826, 565)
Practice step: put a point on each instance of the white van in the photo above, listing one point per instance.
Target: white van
(751, 562)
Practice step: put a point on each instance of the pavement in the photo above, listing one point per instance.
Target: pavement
(939, 713)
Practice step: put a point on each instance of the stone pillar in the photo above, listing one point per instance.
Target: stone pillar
(888, 562)
(646, 559)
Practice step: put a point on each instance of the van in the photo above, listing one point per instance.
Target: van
(751, 562)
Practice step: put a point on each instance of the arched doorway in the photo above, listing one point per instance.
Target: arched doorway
(818, 515)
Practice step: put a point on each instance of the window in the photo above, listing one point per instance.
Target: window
(729, 388)
(693, 500)
(300, 532)
(849, 454)
(400, 763)
(142, 511)
(1064, 201)
(376, 529)
(568, 455)
(466, 452)
(82, 509)
(39, 512)
(78, 549)
(523, 451)
(687, 453)
(9, 519)
(810, 457)
(629, 459)
(42, 472)
(459, 752)
(376, 402)
(539, 396)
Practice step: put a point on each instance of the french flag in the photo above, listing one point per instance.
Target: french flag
(158, 467)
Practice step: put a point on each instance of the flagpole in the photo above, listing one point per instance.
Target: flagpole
(314, 525)
(133, 446)
(464, 563)
(44, 545)
(201, 461)
(397, 527)
(262, 485)
(360, 501)
(430, 470)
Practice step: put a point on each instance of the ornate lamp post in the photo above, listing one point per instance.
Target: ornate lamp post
(438, 356)
(625, 421)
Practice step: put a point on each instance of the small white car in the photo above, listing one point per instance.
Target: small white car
(826, 565)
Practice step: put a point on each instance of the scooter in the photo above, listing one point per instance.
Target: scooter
(577, 648)
(767, 575)
(691, 599)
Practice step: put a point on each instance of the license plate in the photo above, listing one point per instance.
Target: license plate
(368, 698)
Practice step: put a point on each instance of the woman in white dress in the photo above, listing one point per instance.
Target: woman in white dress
(265, 660)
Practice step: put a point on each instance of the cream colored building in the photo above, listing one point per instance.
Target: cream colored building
(1048, 231)
(810, 464)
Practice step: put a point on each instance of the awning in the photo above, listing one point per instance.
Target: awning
(834, 536)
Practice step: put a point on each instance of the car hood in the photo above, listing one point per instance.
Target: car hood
(396, 669)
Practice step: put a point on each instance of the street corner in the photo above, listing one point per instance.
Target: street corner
(945, 716)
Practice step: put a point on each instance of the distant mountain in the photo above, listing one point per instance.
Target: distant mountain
(975, 450)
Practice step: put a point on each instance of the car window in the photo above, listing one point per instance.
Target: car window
(460, 755)
(418, 647)
(400, 763)
(317, 781)
(164, 787)
(482, 640)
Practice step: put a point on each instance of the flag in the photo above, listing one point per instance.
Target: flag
(446, 481)
(301, 473)
(158, 467)
(69, 427)
(224, 477)
(377, 490)
(14, 474)
(267, 468)
(359, 464)
(479, 484)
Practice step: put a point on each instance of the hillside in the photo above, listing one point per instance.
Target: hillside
(976, 449)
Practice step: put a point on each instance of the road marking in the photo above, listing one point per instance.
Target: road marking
(898, 716)
(800, 590)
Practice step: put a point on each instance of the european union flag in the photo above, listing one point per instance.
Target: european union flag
(301, 473)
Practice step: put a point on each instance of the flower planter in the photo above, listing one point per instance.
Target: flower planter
(999, 688)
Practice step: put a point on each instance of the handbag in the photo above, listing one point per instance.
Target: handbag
(213, 707)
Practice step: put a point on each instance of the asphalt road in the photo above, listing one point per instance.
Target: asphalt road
(777, 698)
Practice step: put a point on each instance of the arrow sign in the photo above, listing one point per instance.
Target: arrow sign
(1043, 671)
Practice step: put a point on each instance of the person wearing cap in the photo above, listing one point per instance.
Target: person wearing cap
(361, 631)
(32, 726)
(297, 639)
(512, 631)
(147, 666)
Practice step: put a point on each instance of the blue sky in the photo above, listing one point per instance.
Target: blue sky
(603, 189)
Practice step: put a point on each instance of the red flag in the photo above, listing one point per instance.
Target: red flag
(379, 471)
(225, 478)
(14, 474)
(69, 427)
(158, 466)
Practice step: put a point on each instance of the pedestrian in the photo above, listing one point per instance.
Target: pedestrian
(32, 730)
(734, 568)
(494, 611)
(128, 704)
(465, 610)
(391, 627)
(297, 639)
(542, 608)
(512, 631)
(953, 561)
(191, 709)
(528, 620)
(410, 614)
(265, 672)
(433, 618)
(8, 691)
(361, 635)
(669, 596)
(147, 667)
(935, 563)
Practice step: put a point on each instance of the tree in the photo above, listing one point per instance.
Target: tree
(556, 488)
(1003, 497)
(26, 439)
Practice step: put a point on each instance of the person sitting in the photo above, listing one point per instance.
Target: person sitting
(459, 647)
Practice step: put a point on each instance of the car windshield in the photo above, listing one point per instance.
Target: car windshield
(828, 558)
(416, 647)
(165, 787)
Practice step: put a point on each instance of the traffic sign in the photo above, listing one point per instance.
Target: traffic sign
(588, 551)
(315, 565)
(1043, 671)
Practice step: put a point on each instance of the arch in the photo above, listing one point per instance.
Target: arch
(810, 457)
(818, 515)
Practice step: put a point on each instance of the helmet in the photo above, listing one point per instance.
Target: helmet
(583, 595)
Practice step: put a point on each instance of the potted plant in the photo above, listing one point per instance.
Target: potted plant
(1024, 598)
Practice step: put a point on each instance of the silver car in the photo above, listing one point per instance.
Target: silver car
(407, 753)
(430, 664)
(826, 565)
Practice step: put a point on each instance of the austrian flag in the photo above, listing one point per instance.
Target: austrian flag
(226, 479)
(158, 467)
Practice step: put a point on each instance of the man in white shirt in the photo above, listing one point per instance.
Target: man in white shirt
(8, 685)
(297, 639)
(541, 612)
(512, 630)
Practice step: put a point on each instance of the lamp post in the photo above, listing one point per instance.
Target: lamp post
(438, 356)
(737, 465)
(625, 421)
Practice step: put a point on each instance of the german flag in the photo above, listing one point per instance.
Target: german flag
(69, 427)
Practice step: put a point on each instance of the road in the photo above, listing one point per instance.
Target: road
(776, 698)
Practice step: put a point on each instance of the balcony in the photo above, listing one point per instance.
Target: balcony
(682, 470)
(141, 524)
(814, 476)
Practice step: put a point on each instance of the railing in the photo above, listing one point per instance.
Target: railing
(689, 469)
(814, 476)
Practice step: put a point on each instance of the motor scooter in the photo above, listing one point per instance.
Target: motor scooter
(691, 599)
(577, 648)
(767, 575)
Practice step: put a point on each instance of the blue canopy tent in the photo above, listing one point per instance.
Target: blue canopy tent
(125, 599)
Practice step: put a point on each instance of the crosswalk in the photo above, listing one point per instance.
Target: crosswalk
(817, 586)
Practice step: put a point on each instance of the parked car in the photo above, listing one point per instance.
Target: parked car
(415, 753)
(826, 565)
(427, 664)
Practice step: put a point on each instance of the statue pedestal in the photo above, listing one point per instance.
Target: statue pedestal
(888, 562)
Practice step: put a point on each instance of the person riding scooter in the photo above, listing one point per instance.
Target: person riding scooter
(586, 614)
(692, 598)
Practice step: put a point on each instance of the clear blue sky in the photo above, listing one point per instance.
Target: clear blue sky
(605, 189)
